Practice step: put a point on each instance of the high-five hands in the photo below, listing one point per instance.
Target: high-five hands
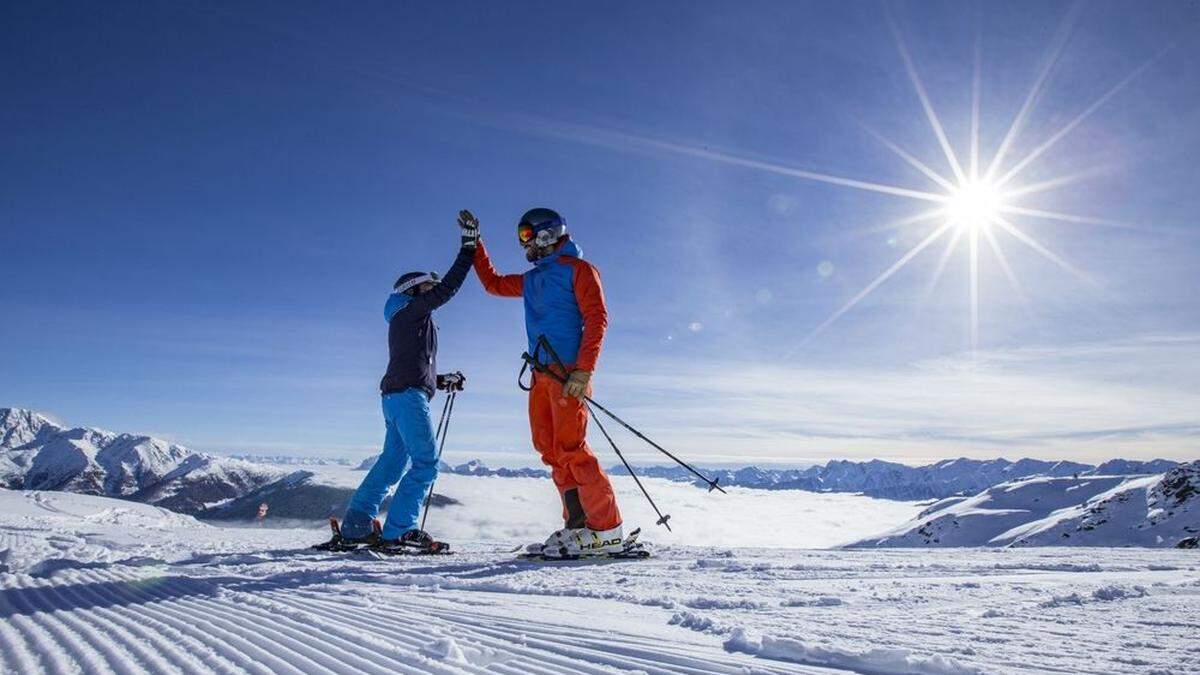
(470, 228)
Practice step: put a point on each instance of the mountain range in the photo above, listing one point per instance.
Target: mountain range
(474, 467)
(890, 480)
(37, 453)
(875, 478)
(1100, 510)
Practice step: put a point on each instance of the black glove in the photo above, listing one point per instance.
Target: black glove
(451, 381)
(470, 228)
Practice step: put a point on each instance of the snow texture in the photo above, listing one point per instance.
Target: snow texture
(97, 585)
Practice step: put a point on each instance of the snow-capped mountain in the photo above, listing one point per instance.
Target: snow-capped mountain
(21, 427)
(890, 480)
(874, 478)
(476, 467)
(1128, 467)
(1093, 510)
(37, 454)
(292, 460)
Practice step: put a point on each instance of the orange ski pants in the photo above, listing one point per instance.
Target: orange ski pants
(559, 426)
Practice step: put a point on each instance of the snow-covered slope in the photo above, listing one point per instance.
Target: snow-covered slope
(96, 585)
(1158, 510)
(1149, 511)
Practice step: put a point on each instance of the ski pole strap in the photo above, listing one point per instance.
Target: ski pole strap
(524, 367)
(530, 362)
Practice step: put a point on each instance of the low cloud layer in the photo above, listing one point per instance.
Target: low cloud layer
(1134, 398)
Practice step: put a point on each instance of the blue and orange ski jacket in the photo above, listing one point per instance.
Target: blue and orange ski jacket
(563, 301)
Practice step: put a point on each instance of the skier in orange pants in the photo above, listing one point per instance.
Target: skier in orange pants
(564, 302)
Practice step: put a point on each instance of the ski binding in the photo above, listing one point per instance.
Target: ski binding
(374, 544)
(630, 550)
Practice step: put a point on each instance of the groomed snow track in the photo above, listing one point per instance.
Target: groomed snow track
(135, 619)
(94, 585)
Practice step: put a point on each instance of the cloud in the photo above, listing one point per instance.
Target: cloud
(1134, 397)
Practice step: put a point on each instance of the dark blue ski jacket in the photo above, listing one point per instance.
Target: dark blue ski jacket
(412, 335)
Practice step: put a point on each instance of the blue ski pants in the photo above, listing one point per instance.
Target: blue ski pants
(409, 456)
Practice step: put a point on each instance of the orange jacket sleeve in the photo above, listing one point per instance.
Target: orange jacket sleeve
(590, 296)
(504, 285)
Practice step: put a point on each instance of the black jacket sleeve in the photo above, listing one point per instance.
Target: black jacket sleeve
(441, 293)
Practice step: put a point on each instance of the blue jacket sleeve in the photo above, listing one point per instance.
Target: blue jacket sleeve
(441, 293)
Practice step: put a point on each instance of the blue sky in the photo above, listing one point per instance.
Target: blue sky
(203, 207)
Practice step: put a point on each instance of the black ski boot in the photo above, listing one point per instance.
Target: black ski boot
(340, 543)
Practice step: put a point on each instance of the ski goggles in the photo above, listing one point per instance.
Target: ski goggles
(431, 277)
(548, 233)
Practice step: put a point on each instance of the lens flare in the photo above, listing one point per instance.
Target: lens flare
(974, 200)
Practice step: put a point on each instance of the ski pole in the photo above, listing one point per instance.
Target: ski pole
(442, 420)
(533, 363)
(662, 520)
(712, 483)
(447, 411)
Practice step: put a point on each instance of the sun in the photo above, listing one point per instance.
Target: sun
(975, 205)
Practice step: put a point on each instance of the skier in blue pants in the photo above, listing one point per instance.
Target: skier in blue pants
(409, 452)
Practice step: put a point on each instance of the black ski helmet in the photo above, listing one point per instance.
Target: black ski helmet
(410, 281)
(541, 227)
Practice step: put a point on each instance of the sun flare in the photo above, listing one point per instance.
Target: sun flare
(975, 204)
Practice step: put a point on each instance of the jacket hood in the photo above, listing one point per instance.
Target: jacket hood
(395, 303)
(567, 248)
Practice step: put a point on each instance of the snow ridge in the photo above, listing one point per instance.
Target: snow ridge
(881, 661)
